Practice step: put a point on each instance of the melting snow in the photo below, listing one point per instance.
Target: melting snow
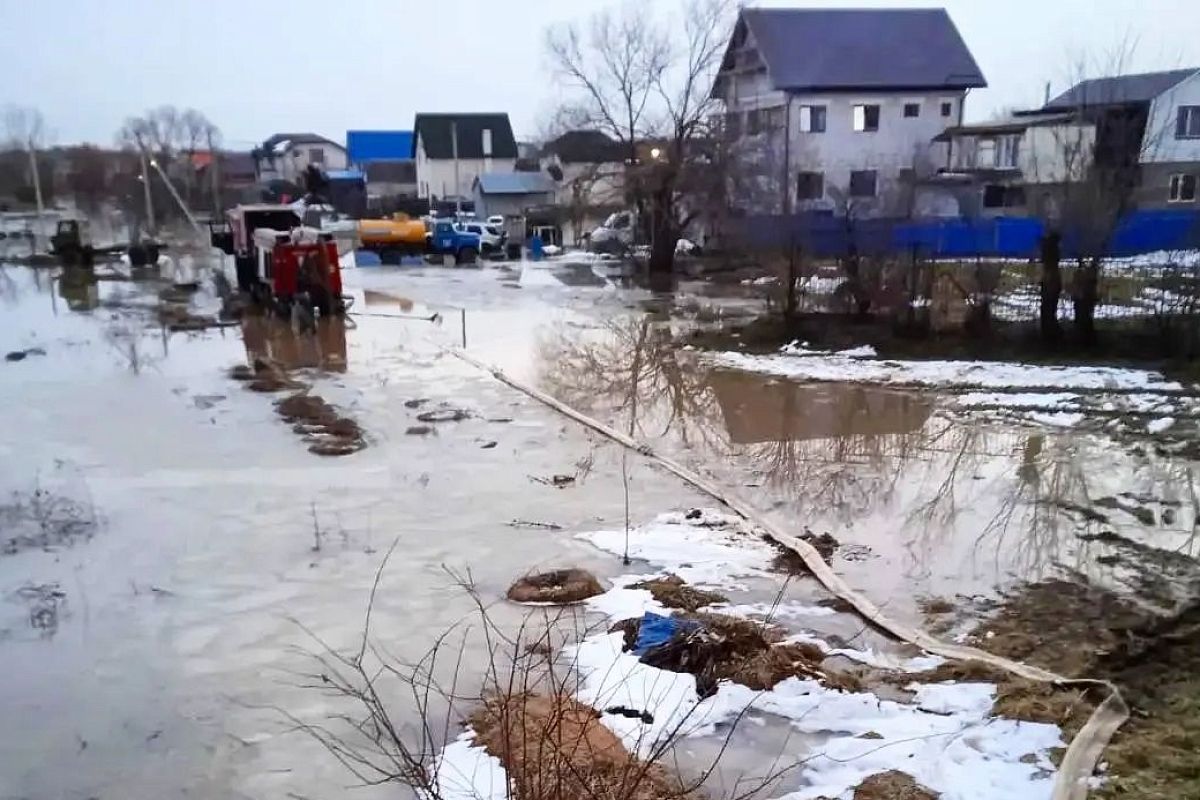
(1160, 425)
(465, 771)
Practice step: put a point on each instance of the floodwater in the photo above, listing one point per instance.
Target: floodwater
(218, 550)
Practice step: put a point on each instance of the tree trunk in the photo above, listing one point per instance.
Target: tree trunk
(1051, 247)
(1087, 290)
(791, 298)
(662, 238)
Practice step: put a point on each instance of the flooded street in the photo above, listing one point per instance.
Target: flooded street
(155, 650)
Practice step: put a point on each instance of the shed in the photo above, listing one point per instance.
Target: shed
(511, 193)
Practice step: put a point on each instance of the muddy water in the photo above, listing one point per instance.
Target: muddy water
(181, 637)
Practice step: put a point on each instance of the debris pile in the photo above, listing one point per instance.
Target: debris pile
(324, 430)
(672, 592)
(558, 587)
(717, 647)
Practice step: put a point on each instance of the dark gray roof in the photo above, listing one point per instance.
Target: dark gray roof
(587, 147)
(434, 131)
(848, 49)
(1120, 90)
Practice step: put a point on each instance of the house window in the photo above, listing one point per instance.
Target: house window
(907, 176)
(912, 110)
(1183, 189)
(862, 183)
(753, 122)
(487, 142)
(947, 108)
(866, 118)
(999, 196)
(1187, 126)
(985, 153)
(773, 118)
(316, 155)
(1009, 152)
(810, 185)
(812, 119)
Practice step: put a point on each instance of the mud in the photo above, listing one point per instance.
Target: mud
(892, 786)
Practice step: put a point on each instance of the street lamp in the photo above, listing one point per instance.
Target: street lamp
(655, 153)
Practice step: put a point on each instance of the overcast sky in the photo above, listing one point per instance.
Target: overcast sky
(256, 68)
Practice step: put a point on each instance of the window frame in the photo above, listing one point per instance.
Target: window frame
(874, 183)
(947, 109)
(816, 113)
(1176, 185)
(819, 182)
(1187, 122)
(316, 155)
(866, 117)
(914, 107)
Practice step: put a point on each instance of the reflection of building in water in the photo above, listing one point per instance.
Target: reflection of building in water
(759, 409)
(271, 338)
(79, 288)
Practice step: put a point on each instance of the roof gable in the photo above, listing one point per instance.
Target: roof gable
(861, 49)
(435, 132)
(1119, 90)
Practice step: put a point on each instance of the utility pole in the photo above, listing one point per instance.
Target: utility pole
(457, 180)
(37, 191)
(150, 224)
(175, 194)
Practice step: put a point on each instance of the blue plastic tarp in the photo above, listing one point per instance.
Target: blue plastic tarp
(657, 630)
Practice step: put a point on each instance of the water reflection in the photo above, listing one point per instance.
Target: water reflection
(965, 505)
(277, 340)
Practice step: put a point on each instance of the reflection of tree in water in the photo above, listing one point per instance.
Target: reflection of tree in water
(632, 372)
(840, 453)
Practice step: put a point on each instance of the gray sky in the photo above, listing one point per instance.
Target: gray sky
(88, 64)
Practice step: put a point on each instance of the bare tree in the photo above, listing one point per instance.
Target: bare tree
(1094, 165)
(640, 82)
(25, 129)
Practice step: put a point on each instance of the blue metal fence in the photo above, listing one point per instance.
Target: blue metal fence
(826, 236)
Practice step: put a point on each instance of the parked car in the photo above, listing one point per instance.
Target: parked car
(491, 238)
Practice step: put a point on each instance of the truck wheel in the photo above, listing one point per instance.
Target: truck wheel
(467, 255)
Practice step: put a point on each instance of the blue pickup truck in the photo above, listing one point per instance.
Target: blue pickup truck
(445, 240)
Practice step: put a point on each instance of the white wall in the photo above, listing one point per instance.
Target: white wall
(436, 177)
(1058, 153)
(1161, 145)
(290, 166)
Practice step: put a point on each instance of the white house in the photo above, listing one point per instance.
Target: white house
(588, 169)
(1148, 124)
(838, 105)
(285, 156)
(452, 150)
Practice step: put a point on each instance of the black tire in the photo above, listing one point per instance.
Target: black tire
(467, 255)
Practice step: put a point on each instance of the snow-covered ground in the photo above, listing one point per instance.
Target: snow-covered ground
(944, 736)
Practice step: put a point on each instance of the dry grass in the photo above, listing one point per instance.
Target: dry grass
(672, 592)
(554, 748)
(1031, 701)
(892, 786)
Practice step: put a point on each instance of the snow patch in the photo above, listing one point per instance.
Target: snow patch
(1160, 425)
(465, 771)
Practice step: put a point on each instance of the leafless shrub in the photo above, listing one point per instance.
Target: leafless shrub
(523, 712)
(41, 519)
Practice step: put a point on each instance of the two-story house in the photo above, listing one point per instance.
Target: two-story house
(452, 150)
(841, 106)
(286, 156)
(588, 170)
(1145, 127)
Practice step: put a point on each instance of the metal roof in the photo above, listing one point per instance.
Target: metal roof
(1119, 90)
(365, 146)
(862, 49)
(514, 183)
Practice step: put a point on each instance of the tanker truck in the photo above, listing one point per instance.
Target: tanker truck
(404, 236)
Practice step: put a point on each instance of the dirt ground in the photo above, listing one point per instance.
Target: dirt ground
(1082, 631)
